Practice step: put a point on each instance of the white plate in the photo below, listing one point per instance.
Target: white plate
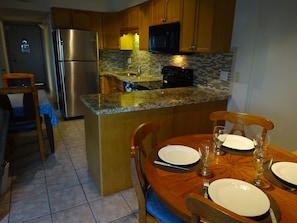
(239, 196)
(286, 171)
(179, 155)
(238, 142)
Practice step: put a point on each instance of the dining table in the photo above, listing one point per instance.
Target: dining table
(173, 185)
(45, 108)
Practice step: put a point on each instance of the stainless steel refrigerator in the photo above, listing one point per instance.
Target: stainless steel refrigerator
(77, 69)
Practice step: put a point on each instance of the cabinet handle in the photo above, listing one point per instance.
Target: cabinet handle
(163, 20)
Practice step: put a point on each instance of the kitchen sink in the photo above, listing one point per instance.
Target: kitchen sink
(128, 74)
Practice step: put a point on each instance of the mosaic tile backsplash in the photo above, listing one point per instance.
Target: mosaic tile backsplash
(206, 67)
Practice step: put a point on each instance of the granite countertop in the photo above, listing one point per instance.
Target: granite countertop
(150, 99)
(146, 80)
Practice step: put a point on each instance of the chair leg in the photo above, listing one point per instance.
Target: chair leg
(40, 141)
(49, 130)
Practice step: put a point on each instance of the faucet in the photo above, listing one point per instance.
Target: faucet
(138, 71)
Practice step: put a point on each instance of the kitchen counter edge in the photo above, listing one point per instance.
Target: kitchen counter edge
(153, 99)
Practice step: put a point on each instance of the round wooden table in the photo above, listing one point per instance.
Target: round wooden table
(172, 185)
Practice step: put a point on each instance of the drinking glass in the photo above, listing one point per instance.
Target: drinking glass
(207, 153)
(261, 141)
(262, 160)
(219, 137)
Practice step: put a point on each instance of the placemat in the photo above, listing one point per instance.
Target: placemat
(274, 180)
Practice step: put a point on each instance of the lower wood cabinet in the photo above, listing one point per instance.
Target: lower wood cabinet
(107, 138)
(110, 84)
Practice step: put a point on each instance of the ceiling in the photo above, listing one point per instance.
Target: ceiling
(16, 9)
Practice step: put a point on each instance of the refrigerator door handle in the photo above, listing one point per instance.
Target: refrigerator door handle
(62, 76)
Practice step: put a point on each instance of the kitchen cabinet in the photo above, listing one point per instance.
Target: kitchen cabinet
(207, 26)
(110, 84)
(129, 20)
(76, 19)
(144, 21)
(61, 18)
(111, 30)
(107, 147)
(165, 11)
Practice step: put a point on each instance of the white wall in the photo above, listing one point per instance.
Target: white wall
(265, 39)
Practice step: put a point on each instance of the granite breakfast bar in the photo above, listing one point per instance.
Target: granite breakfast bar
(111, 118)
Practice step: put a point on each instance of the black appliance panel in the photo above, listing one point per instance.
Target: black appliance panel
(177, 77)
(164, 38)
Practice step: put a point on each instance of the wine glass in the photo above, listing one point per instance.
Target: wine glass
(262, 160)
(207, 153)
(261, 141)
(219, 137)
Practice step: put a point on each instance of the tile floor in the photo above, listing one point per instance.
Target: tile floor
(60, 190)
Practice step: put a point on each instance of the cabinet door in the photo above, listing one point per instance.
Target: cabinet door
(61, 18)
(81, 20)
(214, 26)
(173, 10)
(111, 30)
(188, 22)
(166, 11)
(130, 20)
(144, 26)
(158, 12)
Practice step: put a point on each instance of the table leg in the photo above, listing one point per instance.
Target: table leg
(49, 130)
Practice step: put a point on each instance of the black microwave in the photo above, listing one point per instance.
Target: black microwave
(164, 38)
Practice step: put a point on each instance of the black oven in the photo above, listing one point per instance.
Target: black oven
(177, 77)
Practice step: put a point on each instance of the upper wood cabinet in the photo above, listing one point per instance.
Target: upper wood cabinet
(166, 11)
(144, 21)
(207, 25)
(61, 18)
(130, 20)
(76, 19)
(111, 30)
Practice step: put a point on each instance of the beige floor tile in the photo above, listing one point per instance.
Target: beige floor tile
(110, 208)
(91, 191)
(131, 198)
(127, 219)
(80, 214)
(62, 181)
(43, 219)
(28, 188)
(67, 198)
(29, 208)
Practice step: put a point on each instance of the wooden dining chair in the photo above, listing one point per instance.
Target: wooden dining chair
(240, 120)
(18, 79)
(31, 120)
(208, 211)
(151, 209)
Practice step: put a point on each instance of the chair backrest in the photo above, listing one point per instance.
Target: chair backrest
(203, 208)
(32, 94)
(18, 79)
(138, 153)
(240, 120)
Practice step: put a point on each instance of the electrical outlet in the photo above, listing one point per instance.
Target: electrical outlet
(224, 75)
(129, 60)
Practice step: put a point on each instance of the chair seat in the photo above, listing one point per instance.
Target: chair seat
(158, 210)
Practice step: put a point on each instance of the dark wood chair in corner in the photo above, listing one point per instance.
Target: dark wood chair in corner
(18, 79)
(151, 208)
(204, 210)
(31, 119)
(240, 120)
